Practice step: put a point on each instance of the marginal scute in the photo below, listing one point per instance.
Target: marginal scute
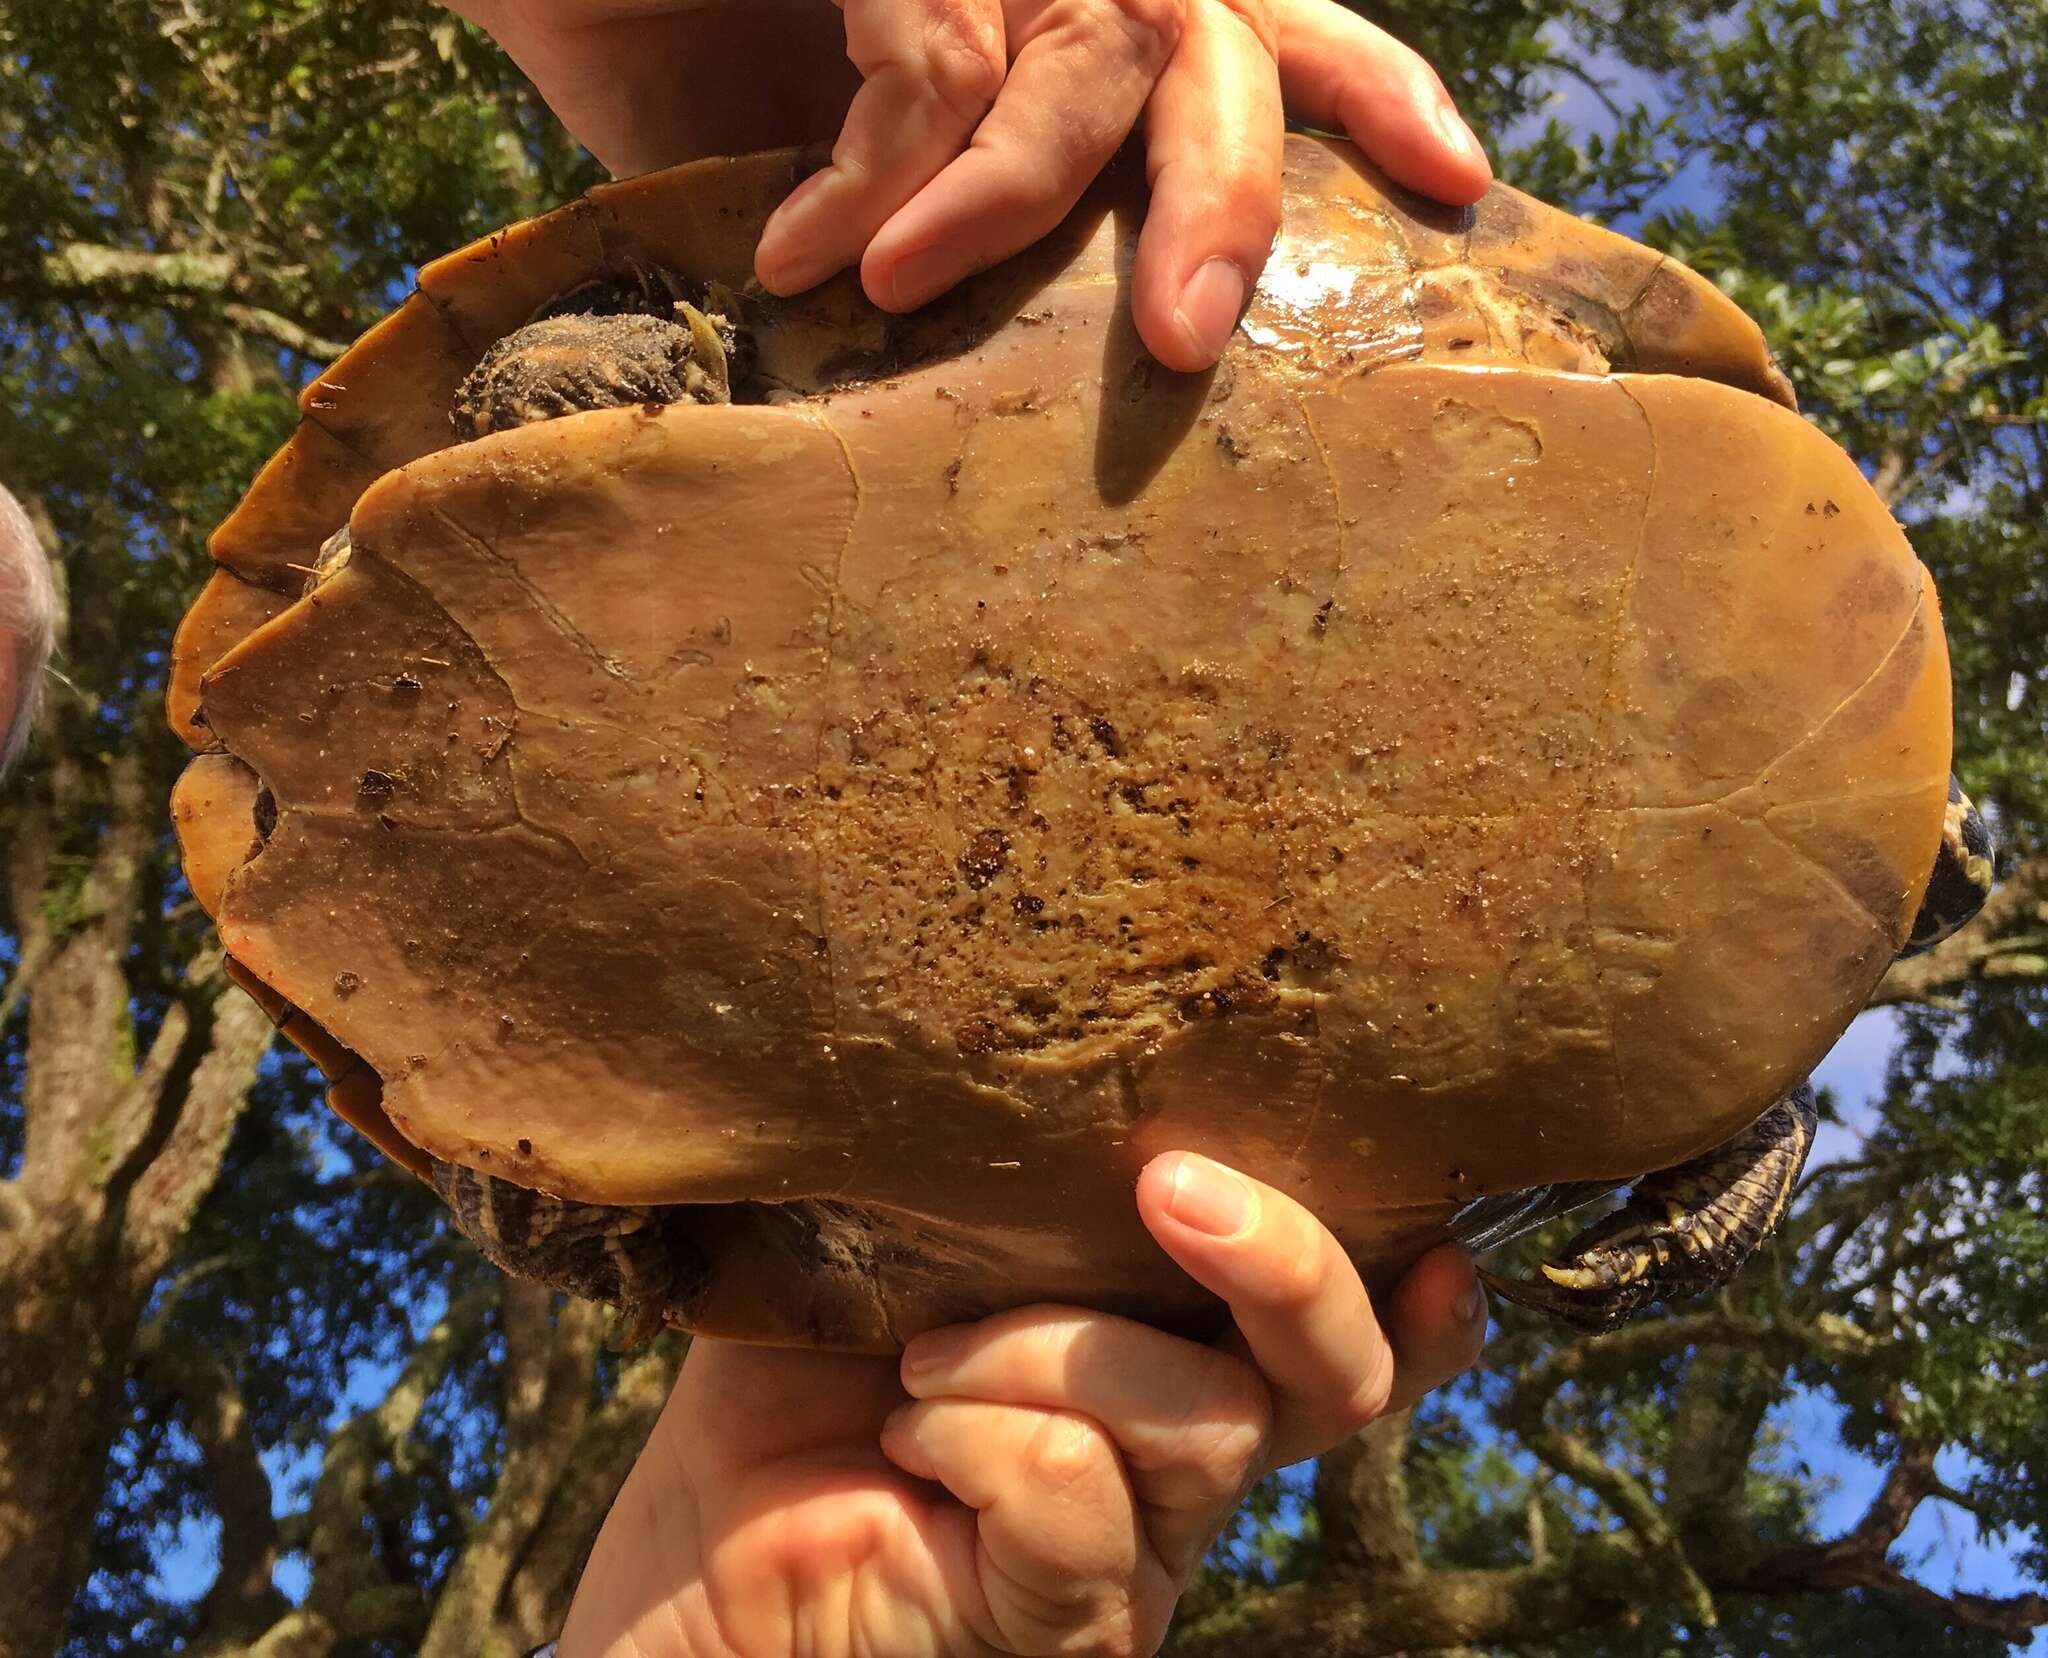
(213, 809)
(357, 1098)
(387, 400)
(500, 281)
(310, 1038)
(1682, 324)
(226, 612)
(700, 220)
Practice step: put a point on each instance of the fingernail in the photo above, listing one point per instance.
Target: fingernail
(924, 276)
(1471, 1305)
(1457, 137)
(935, 1350)
(1209, 305)
(1209, 1198)
(784, 265)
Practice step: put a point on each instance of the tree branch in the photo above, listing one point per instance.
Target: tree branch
(243, 1600)
(87, 270)
(1719, 1410)
(34, 952)
(1860, 1559)
(1627, 1496)
(185, 1159)
(1333, 1616)
(352, 1593)
(254, 319)
(1361, 1497)
(92, 271)
(549, 1389)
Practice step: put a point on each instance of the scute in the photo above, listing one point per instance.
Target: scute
(1458, 745)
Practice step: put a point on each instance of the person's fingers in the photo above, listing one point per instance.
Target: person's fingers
(1302, 1315)
(1080, 73)
(930, 71)
(1341, 72)
(1190, 1421)
(1058, 1554)
(1436, 1320)
(1213, 135)
(650, 84)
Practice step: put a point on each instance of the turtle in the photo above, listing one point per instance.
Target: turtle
(778, 810)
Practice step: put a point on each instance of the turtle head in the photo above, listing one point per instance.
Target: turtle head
(1965, 867)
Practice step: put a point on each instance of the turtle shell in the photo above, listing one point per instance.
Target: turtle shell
(1478, 736)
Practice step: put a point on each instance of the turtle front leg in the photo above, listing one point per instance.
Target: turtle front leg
(1683, 1231)
(565, 364)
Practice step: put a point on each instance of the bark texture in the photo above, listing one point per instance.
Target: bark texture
(119, 1148)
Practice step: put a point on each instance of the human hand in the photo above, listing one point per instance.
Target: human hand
(968, 128)
(1042, 1481)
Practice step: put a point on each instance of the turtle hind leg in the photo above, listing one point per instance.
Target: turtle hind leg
(1683, 1231)
(604, 1252)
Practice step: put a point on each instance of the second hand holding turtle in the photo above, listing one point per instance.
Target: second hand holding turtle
(968, 128)
(1046, 1480)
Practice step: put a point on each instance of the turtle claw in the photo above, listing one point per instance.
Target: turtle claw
(638, 1323)
(1596, 1311)
(1683, 1231)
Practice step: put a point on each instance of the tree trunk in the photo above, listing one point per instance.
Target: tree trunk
(117, 1154)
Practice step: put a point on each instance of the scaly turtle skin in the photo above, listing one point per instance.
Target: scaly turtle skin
(564, 364)
(1478, 739)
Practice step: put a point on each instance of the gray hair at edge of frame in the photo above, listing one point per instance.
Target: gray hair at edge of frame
(28, 620)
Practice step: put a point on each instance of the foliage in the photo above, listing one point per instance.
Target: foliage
(222, 189)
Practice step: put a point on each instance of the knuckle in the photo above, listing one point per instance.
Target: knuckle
(964, 68)
(1228, 1428)
(1132, 1628)
(1368, 1401)
(1155, 24)
(1118, 1639)
(1151, 1605)
(1257, 16)
(1255, 209)
(1296, 1280)
(1066, 1450)
(1239, 185)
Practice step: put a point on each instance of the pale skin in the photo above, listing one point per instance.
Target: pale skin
(1043, 1481)
(1046, 1480)
(967, 128)
(26, 615)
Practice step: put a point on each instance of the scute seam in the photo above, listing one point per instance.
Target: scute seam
(1315, 1109)
(1610, 706)
(823, 419)
(541, 602)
